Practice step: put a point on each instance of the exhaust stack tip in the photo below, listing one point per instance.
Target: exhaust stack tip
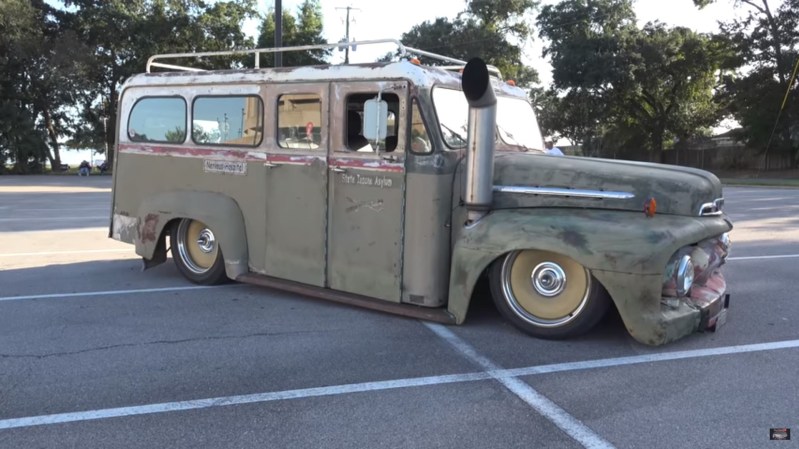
(476, 84)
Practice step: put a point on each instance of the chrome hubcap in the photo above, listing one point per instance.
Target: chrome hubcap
(534, 285)
(548, 279)
(206, 241)
(197, 246)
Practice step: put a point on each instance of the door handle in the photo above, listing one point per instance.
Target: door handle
(338, 169)
(270, 165)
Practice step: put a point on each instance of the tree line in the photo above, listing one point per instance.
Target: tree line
(619, 88)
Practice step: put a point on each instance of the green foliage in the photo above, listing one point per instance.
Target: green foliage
(179, 135)
(303, 29)
(41, 72)
(766, 45)
(492, 30)
(618, 86)
(123, 34)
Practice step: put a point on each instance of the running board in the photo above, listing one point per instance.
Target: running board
(438, 315)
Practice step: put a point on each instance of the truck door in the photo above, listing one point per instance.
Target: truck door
(296, 187)
(367, 192)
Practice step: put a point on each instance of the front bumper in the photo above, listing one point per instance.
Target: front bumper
(708, 294)
(712, 300)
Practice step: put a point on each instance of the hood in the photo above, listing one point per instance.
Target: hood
(677, 190)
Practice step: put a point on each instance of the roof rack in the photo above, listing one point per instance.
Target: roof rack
(403, 51)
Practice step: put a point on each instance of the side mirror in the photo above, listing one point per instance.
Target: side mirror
(375, 119)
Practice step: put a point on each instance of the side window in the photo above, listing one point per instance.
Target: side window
(299, 121)
(354, 139)
(158, 119)
(228, 120)
(420, 139)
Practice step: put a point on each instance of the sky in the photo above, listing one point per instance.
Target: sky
(380, 19)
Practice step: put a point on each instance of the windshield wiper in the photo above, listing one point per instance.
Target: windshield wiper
(453, 133)
(515, 142)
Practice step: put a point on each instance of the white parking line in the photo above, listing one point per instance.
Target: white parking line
(572, 426)
(334, 390)
(238, 400)
(46, 219)
(115, 292)
(55, 253)
(57, 209)
(781, 256)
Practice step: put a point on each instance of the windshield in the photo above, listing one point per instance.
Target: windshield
(516, 121)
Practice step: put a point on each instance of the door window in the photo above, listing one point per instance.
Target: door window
(228, 120)
(354, 139)
(299, 121)
(420, 139)
(158, 119)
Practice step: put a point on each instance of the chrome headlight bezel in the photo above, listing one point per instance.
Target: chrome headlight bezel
(685, 275)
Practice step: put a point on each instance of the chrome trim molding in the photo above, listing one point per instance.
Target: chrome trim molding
(711, 209)
(556, 191)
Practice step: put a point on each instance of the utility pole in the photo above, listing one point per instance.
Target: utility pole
(278, 32)
(347, 36)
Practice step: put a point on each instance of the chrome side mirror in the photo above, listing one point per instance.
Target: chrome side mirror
(375, 119)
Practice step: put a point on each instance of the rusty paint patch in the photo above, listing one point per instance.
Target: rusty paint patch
(367, 164)
(225, 154)
(375, 205)
(149, 228)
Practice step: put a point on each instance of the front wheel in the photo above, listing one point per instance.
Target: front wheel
(547, 295)
(196, 252)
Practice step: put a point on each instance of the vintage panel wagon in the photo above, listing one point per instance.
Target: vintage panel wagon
(397, 186)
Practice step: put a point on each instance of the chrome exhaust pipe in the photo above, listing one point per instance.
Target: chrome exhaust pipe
(479, 185)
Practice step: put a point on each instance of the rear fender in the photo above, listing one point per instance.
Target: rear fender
(220, 212)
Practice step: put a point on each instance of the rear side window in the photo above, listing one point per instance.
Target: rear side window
(299, 121)
(158, 119)
(228, 120)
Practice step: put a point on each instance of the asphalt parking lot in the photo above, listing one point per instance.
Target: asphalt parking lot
(95, 353)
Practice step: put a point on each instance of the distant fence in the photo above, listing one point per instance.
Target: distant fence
(727, 157)
(705, 155)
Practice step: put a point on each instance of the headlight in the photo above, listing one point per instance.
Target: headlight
(726, 243)
(685, 275)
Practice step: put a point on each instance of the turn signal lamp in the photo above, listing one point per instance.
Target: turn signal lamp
(415, 61)
(511, 83)
(650, 207)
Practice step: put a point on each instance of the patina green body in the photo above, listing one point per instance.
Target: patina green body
(401, 238)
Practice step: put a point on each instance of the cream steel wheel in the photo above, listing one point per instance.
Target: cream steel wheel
(196, 252)
(546, 294)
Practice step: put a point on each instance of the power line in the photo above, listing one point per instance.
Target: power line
(347, 35)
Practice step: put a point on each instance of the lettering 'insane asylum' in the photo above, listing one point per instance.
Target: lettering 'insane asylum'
(369, 180)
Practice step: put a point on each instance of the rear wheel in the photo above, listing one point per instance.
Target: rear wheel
(196, 252)
(547, 295)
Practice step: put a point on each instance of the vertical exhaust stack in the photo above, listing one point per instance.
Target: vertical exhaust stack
(479, 185)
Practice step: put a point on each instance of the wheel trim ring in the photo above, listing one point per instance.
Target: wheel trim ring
(196, 259)
(538, 310)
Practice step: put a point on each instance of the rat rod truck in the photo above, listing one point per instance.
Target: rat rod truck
(397, 186)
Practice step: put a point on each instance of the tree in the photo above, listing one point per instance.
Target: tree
(304, 29)
(124, 33)
(766, 44)
(42, 70)
(493, 30)
(612, 80)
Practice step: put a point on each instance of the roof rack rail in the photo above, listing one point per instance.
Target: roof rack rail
(403, 51)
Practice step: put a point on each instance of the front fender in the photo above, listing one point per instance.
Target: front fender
(609, 243)
(220, 212)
